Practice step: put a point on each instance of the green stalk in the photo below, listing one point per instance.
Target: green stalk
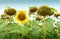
(44, 28)
(22, 36)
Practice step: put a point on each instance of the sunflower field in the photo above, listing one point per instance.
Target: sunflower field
(39, 23)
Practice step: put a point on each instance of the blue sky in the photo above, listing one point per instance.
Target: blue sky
(24, 4)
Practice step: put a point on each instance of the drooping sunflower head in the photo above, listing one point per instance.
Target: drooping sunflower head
(21, 17)
(38, 18)
(32, 9)
(44, 10)
(56, 14)
(10, 11)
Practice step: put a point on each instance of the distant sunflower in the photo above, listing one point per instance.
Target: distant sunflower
(44, 10)
(21, 17)
(32, 9)
(56, 14)
(10, 11)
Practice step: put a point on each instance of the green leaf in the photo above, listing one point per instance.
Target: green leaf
(58, 25)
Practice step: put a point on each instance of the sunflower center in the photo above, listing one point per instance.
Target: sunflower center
(21, 16)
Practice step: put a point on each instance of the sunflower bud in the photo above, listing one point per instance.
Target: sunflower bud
(56, 15)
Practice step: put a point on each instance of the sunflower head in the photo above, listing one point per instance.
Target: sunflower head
(32, 9)
(21, 17)
(10, 11)
(44, 10)
(38, 18)
(56, 14)
(3, 16)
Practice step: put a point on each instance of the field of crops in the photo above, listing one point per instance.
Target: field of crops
(39, 23)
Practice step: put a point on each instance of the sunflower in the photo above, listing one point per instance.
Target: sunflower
(44, 10)
(21, 17)
(10, 11)
(56, 14)
(32, 9)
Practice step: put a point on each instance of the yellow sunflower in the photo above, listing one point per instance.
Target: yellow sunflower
(21, 17)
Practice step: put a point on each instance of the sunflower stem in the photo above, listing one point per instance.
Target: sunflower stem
(22, 36)
(44, 28)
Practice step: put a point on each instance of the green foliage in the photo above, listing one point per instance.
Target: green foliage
(58, 25)
(30, 30)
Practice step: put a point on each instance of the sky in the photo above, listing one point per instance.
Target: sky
(25, 4)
